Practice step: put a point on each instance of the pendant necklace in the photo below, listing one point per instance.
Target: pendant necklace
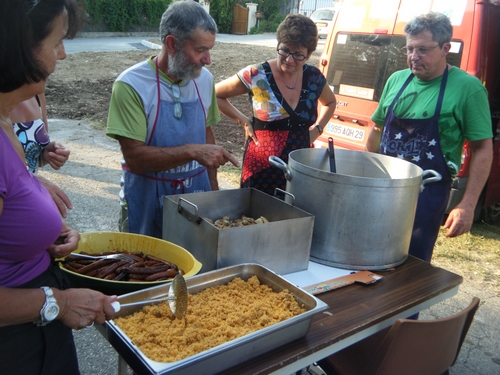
(283, 80)
(290, 87)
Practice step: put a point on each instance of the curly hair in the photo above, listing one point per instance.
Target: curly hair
(298, 31)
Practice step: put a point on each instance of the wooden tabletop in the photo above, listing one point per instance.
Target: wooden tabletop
(357, 311)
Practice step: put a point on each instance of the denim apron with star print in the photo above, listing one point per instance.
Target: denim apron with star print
(417, 141)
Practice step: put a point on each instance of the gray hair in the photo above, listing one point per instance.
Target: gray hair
(182, 18)
(437, 23)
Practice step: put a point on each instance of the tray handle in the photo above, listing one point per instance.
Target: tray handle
(194, 217)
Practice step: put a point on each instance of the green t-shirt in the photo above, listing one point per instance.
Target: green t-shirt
(465, 112)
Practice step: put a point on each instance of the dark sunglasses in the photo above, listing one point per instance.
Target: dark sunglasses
(176, 93)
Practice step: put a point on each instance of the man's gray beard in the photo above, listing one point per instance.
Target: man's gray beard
(180, 67)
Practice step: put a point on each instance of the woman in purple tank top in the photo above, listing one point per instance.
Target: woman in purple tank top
(37, 311)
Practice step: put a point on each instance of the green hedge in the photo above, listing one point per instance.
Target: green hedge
(123, 15)
(129, 15)
(222, 12)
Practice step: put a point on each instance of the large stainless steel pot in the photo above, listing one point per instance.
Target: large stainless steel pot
(364, 213)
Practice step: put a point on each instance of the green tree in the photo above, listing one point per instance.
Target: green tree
(124, 15)
(222, 12)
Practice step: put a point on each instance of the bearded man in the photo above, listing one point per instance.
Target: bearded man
(161, 113)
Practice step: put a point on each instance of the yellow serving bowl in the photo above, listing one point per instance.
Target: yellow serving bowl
(99, 242)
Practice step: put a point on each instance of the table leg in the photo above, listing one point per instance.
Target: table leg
(122, 366)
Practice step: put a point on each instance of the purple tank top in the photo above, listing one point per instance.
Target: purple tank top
(29, 222)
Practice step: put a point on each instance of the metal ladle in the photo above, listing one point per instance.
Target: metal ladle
(331, 151)
(177, 298)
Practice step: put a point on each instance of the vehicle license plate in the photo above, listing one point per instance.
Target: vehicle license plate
(344, 131)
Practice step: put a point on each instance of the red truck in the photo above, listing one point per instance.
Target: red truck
(363, 50)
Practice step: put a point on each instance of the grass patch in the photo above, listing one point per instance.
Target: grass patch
(474, 255)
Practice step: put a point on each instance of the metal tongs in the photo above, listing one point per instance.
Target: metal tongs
(177, 298)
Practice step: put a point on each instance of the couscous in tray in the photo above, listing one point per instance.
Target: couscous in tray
(234, 314)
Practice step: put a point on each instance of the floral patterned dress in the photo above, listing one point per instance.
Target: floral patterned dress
(279, 128)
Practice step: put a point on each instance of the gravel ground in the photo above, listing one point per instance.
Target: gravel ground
(91, 180)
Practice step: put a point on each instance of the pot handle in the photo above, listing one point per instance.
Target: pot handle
(278, 163)
(437, 177)
(292, 197)
(188, 215)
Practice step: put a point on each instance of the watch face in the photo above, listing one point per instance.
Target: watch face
(51, 312)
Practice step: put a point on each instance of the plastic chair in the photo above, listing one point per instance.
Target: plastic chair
(408, 347)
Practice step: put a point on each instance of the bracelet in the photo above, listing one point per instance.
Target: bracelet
(320, 129)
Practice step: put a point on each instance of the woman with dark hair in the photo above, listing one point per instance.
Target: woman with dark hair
(284, 93)
(37, 310)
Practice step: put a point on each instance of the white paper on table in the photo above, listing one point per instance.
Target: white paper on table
(315, 273)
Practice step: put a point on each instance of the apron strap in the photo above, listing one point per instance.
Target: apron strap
(407, 82)
(441, 92)
(176, 182)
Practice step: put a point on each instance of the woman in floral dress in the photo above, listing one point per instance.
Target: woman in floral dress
(284, 93)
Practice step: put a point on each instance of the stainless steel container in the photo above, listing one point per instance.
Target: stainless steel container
(364, 213)
(283, 244)
(231, 353)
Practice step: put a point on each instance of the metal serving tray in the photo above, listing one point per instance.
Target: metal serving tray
(231, 353)
(282, 245)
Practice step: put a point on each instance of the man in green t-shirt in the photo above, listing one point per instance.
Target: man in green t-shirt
(425, 115)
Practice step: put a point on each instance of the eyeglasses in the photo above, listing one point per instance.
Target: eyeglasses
(296, 56)
(176, 93)
(421, 51)
(32, 4)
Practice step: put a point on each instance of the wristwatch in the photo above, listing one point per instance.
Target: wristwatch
(320, 129)
(50, 308)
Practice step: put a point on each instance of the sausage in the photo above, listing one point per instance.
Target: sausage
(111, 276)
(134, 257)
(120, 269)
(76, 265)
(136, 276)
(151, 257)
(104, 271)
(72, 258)
(120, 276)
(69, 267)
(168, 274)
(145, 270)
(153, 263)
(95, 265)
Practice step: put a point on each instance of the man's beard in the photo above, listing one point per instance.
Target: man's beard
(179, 66)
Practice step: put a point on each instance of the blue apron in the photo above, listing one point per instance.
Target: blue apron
(417, 141)
(144, 192)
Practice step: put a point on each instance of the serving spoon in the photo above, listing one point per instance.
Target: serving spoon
(177, 298)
